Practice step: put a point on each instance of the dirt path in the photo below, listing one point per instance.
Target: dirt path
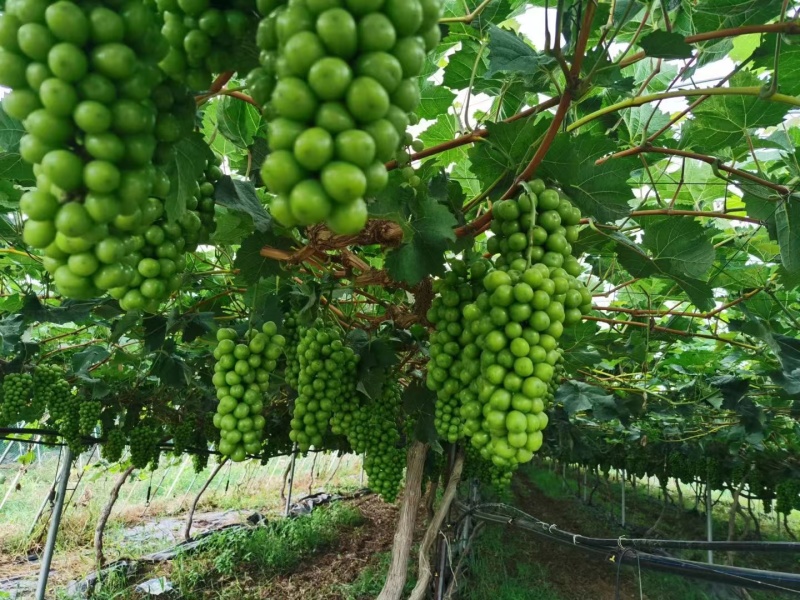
(575, 574)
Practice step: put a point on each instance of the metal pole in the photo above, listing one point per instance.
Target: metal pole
(709, 522)
(180, 504)
(291, 482)
(55, 520)
(622, 486)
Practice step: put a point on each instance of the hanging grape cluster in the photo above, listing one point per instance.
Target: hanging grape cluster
(207, 38)
(495, 358)
(342, 81)
(375, 433)
(326, 364)
(17, 399)
(144, 440)
(241, 377)
(454, 362)
(74, 417)
(101, 122)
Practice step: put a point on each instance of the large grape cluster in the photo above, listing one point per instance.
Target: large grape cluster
(17, 401)
(206, 37)
(241, 376)
(52, 390)
(375, 433)
(454, 365)
(100, 122)
(72, 416)
(346, 81)
(787, 496)
(326, 364)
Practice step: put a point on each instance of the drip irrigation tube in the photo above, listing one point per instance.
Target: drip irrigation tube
(628, 551)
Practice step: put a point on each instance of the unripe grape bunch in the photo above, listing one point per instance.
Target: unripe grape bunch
(326, 366)
(206, 37)
(341, 77)
(101, 121)
(241, 378)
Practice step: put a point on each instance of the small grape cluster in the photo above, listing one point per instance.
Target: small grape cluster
(88, 415)
(52, 389)
(346, 81)
(348, 403)
(206, 38)
(17, 400)
(114, 443)
(144, 440)
(241, 376)
(376, 434)
(325, 363)
(475, 467)
(787, 495)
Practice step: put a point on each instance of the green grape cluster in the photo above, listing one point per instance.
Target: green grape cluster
(347, 404)
(475, 467)
(114, 443)
(100, 123)
(241, 377)
(454, 367)
(88, 415)
(52, 390)
(144, 440)
(293, 332)
(787, 495)
(204, 206)
(346, 81)
(518, 318)
(17, 400)
(207, 37)
(375, 433)
(325, 364)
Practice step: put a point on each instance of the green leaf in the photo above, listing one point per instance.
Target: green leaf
(238, 195)
(465, 66)
(663, 44)
(232, 227)
(711, 15)
(577, 396)
(251, 265)
(11, 329)
(238, 121)
(726, 121)
(191, 155)
(423, 254)
(787, 224)
(679, 246)
(600, 191)
(83, 360)
(443, 130)
(506, 149)
(436, 100)
(155, 332)
(12, 167)
(508, 53)
(11, 131)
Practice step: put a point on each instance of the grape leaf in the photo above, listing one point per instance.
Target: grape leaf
(238, 195)
(600, 191)
(787, 224)
(725, 121)
(577, 396)
(506, 149)
(238, 121)
(11, 131)
(423, 254)
(664, 44)
(435, 100)
(508, 53)
(184, 171)
(679, 246)
(252, 266)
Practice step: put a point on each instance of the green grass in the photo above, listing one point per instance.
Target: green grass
(498, 571)
(233, 563)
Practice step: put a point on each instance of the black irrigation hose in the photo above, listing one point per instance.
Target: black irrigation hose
(620, 554)
(643, 543)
